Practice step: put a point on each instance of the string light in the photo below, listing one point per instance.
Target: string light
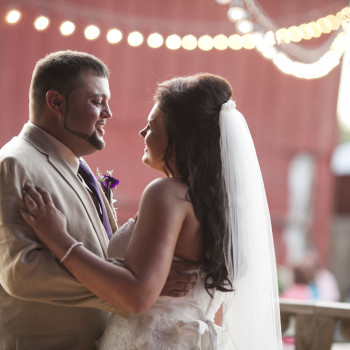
(205, 42)
(189, 42)
(92, 32)
(223, 2)
(295, 33)
(13, 16)
(268, 42)
(220, 42)
(248, 37)
(236, 13)
(235, 42)
(114, 36)
(155, 40)
(245, 26)
(249, 41)
(67, 28)
(135, 39)
(41, 23)
(325, 25)
(173, 42)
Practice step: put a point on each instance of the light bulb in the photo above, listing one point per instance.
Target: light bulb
(92, 32)
(236, 13)
(244, 26)
(223, 2)
(173, 42)
(67, 28)
(135, 39)
(114, 36)
(41, 23)
(13, 16)
(205, 43)
(155, 40)
(189, 42)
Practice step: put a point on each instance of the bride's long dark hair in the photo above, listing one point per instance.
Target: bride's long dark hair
(191, 107)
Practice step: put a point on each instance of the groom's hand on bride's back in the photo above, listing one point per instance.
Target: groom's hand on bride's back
(182, 277)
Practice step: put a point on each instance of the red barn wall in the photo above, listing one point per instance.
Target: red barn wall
(286, 115)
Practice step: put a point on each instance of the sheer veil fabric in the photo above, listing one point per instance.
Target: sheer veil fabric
(251, 313)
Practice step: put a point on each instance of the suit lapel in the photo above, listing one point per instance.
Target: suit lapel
(35, 137)
(73, 181)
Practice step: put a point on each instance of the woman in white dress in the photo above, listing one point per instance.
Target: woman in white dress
(209, 207)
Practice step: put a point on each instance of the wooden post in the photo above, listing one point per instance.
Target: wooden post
(314, 332)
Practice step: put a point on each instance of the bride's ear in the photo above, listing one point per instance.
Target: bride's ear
(55, 101)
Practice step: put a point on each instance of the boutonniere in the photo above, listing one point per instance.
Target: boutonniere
(108, 183)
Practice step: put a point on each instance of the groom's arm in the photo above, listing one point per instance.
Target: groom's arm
(181, 279)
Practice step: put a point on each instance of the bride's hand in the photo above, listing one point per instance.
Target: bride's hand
(45, 219)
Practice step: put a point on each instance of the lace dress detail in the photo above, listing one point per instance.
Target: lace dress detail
(185, 323)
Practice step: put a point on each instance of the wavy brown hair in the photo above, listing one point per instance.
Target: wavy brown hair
(191, 107)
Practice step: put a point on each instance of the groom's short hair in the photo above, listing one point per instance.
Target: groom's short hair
(61, 71)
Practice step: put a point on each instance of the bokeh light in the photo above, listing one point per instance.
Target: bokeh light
(114, 36)
(155, 40)
(135, 38)
(41, 23)
(13, 16)
(173, 42)
(67, 28)
(92, 32)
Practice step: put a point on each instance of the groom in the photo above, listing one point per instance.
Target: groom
(42, 306)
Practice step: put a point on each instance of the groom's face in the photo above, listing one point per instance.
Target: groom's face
(86, 113)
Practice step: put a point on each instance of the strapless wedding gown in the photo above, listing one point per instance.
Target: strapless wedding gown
(185, 323)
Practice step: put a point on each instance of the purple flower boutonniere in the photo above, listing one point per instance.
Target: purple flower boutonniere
(108, 183)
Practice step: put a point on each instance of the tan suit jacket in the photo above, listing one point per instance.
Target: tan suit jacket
(41, 305)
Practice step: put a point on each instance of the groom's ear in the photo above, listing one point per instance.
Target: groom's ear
(56, 102)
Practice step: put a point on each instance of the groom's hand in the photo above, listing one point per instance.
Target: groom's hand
(181, 279)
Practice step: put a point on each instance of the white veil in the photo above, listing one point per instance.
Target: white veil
(251, 312)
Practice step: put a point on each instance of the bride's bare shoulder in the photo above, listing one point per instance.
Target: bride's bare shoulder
(166, 187)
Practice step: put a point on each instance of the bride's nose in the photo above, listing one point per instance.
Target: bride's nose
(142, 132)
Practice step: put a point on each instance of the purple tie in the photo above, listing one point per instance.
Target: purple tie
(90, 181)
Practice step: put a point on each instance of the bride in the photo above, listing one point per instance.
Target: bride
(210, 207)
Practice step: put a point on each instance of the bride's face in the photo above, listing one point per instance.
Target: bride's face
(156, 139)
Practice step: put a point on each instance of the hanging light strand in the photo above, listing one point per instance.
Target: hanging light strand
(280, 45)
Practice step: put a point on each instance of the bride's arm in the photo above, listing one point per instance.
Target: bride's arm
(148, 259)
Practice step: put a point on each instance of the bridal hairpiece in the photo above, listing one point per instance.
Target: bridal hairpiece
(228, 106)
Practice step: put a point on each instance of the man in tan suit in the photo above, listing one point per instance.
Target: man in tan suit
(42, 307)
(69, 97)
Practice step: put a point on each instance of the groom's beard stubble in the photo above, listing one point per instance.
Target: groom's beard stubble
(94, 139)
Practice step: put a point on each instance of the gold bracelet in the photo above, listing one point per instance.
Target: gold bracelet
(76, 244)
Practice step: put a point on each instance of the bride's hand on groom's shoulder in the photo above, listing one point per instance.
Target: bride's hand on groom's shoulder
(182, 277)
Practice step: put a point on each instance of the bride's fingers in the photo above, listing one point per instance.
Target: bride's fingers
(44, 194)
(34, 194)
(29, 201)
(28, 218)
